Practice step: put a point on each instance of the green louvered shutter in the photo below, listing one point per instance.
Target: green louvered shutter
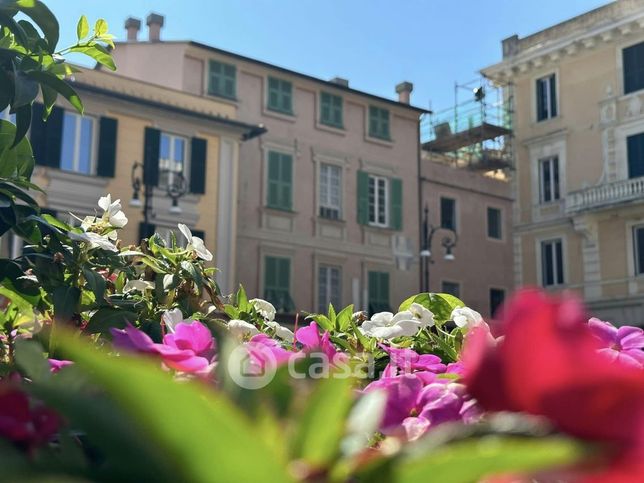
(198, 165)
(395, 207)
(151, 144)
(107, 147)
(363, 198)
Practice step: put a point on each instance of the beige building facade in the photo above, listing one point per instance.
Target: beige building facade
(127, 121)
(478, 208)
(578, 89)
(327, 200)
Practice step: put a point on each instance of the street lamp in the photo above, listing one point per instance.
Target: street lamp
(448, 243)
(174, 190)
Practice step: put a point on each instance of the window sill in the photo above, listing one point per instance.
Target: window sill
(546, 122)
(279, 211)
(339, 130)
(283, 116)
(380, 141)
(229, 100)
(92, 179)
(337, 221)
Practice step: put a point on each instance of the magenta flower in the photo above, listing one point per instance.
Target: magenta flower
(455, 368)
(623, 344)
(407, 361)
(191, 348)
(413, 406)
(310, 339)
(56, 365)
(264, 351)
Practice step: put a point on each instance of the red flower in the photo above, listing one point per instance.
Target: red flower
(547, 364)
(23, 424)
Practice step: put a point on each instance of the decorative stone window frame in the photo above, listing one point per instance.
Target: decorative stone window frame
(538, 149)
(564, 250)
(533, 93)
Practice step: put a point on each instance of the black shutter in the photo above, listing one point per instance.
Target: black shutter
(198, 165)
(635, 155)
(54, 130)
(199, 233)
(541, 100)
(107, 147)
(152, 142)
(553, 95)
(146, 230)
(46, 136)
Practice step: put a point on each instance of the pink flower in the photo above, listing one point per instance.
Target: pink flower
(407, 361)
(21, 422)
(55, 365)
(265, 351)
(191, 348)
(413, 406)
(311, 341)
(623, 344)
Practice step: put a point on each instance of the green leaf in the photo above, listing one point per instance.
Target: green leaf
(30, 357)
(25, 90)
(60, 86)
(107, 317)
(343, 319)
(100, 28)
(242, 300)
(82, 28)
(193, 273)
(98, 53)
(473, 459)
(17, 159)
(65, 303)
(188, 412)
(43, 17)
(441, 304)
(321, 426)
(96, 283)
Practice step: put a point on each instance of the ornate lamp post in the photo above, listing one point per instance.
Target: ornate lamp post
(174, 190)
(448, 242)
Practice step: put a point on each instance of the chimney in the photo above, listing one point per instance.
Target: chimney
(340, 81)
(132, 25)
(510, 46)
(155, 22)
(404, 92)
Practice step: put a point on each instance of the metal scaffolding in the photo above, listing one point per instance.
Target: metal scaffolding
(477, 131)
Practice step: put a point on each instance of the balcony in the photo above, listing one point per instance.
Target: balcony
(604, 195)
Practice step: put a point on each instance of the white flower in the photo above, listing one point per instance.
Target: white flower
(195, 243)
(112, 211)
(466, 317)
(264, 308)
(171, 318)
(138, 285)
(282, 332)
(94, 239)
(425, 316)
(385, 325)
(240, 328)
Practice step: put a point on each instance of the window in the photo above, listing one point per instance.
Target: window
(546, 98)
(329, 287)
(172, 159)
(222, 79)
(497, 296)
(494, 223)
(280, 95)
(77, 147)
(448, 213)
(452, 288)
(277, 283)
(549, 179)
(330, 109)
(633, 60)
(552, 269)
(280, 181)
(378, 201)
(379, 123)
(635, 155)
(330, 191)
(638, 246)
(378, 292)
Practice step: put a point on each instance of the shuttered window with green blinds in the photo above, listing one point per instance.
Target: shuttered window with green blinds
(378, 292)
(280, 95)
(331, 110)
(280, 181)
(379, 123)
(222, 79)
(277, 282)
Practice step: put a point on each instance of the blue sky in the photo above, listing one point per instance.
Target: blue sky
(373, 43)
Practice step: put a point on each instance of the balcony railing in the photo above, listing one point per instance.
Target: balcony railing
(605, 195)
